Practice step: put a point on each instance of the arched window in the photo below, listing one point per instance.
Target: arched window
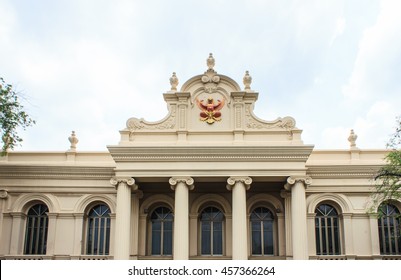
(211, 225)
(262, 223)
(327, 230)
(98, 230)
(162, 231)
(389, 230)
(36, 230)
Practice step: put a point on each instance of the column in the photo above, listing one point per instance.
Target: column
(297, 185)
(51, 233)
(181, 186)
(123, 217)
(288, 229)
(135, 223)
(239, 186)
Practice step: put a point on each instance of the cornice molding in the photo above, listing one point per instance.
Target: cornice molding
(11, 171)
(343, 171)
(214, 153)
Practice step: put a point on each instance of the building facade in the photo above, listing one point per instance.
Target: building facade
(209, 181)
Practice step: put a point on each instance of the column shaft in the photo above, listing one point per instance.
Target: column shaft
(239, 224)
(298, 220)
(181, 217)
(123, 218)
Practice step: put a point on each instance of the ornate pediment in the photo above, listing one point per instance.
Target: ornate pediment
(211, 108)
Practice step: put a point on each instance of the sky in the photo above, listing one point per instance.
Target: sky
(90, 65)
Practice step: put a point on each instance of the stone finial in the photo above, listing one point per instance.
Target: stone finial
(247, 80)
(174, 82)
(352, 139)
(210, 62)
(73, 140)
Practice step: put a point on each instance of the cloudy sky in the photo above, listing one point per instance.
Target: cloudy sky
(90, 65)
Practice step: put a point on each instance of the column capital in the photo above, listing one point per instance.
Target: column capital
(189, 181)
(3, 193)
(116, 181)
(231, 181)
(292, 180)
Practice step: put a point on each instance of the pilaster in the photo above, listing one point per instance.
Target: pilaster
(288, 228)
(239, 186)
(124, 187)
(181, 186)
(297, 186)
(135, 223)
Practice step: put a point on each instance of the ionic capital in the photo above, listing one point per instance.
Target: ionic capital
(188, 181)
(116, 181)
(247, 181)
(292, 180)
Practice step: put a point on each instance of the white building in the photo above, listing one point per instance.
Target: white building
(209, 181)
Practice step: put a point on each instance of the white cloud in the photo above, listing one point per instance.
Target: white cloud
(379, 55)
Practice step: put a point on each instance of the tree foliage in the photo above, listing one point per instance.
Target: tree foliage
(12, 117)
(388, 178)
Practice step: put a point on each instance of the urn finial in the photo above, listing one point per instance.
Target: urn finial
(73, 140)
(210, 62)
(174, 81)
(247, 80)
(352, 139)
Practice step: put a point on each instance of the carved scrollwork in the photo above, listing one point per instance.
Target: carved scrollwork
(247, 181)
(3, 194)
(128, 181)
(189, 181)
(286, 123)
(306, 180)
(140, 124)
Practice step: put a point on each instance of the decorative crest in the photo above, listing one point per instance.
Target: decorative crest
(210, 111)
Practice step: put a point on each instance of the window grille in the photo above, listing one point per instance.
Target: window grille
(262, 226)
(98, 230)
(327, 230)
(36, 230)
(389, 230)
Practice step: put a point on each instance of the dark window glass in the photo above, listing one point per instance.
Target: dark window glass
(36, 230)
(262, 225)
(327, 230)
(211, 220)
(389, 230)
(98, 230)
(162, 231)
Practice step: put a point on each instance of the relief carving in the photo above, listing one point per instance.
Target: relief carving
(286, 123)
(140, 124)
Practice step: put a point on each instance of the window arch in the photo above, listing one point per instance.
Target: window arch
(262, 231)
(36, 230)
(212, 231)
(162, 231)
(389, 229)
(327, 230)
(97, 240)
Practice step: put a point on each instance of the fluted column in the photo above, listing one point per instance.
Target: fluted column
(239, 186)
(297, 185)
(181, 186)
(123, 217)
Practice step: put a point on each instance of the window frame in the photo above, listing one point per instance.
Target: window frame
(150, 236)
(393, 227)
(273, 232)
(223, 233)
